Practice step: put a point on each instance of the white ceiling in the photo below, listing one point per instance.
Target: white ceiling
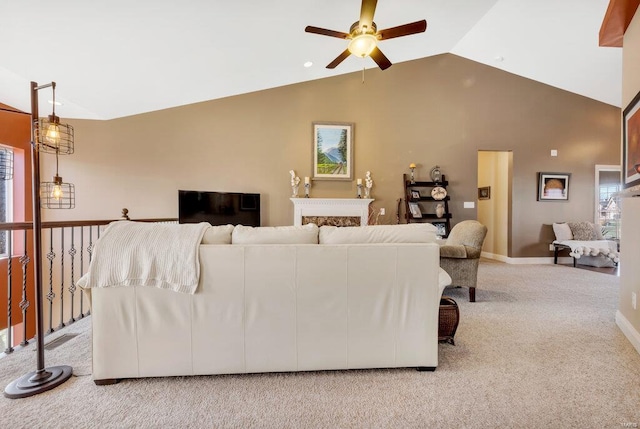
(120, 57)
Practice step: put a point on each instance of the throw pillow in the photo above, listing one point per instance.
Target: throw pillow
(407, 233)
(218, 234)
(305, 234)
(583, 231)
(562, 231)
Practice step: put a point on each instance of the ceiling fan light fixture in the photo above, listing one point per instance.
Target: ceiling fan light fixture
(362, 45)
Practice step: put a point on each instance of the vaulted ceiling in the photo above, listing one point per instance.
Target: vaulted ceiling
(121, 57)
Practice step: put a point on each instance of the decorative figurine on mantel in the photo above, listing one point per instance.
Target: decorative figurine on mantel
(359, 185)
(412, 167)
(295, 184)
(307, 187)
(368, 184)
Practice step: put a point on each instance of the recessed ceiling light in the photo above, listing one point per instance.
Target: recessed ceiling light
(57, 103)
(308, 64)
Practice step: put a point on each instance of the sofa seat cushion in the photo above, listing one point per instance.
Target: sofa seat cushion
(218, 234)
(409, 233)
(306, 234)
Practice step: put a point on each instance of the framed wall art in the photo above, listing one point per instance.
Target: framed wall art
(631, 143)
(415, 210)
(332, 151)
(553, 186)
(484, 193)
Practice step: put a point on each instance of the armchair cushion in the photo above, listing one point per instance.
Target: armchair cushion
(453, 251)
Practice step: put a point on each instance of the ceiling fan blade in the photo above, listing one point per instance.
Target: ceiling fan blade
(339, 59)
(403, 30)
(325, 32)
(367, 10)
(382, 61)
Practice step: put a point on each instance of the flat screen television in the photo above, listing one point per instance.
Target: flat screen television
(219, 208)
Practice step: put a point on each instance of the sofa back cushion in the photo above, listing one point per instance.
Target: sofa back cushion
(217, 234)
(409, 233)
(306, 234)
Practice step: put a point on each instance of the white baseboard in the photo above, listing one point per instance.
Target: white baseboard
(542, 260)
(628, 330)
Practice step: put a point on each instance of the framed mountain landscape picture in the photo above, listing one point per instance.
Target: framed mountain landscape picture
(332, 151)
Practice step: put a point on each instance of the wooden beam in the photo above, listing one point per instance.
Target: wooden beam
(616, 20)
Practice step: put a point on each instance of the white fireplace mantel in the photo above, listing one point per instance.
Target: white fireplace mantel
(331, 207)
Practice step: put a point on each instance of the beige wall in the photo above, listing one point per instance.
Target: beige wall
(630, 87)
(437, 110)
(494, 171)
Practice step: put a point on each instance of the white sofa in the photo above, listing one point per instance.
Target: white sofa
(364, 297)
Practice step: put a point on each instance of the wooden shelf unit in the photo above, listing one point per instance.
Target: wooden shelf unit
(427, 203)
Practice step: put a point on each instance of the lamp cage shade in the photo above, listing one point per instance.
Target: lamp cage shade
(54, 137)
(57, 195)
(6, 164)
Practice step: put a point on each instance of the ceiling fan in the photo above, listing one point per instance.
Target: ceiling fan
(364, 36)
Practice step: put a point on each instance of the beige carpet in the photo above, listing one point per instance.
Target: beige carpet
(539, 349)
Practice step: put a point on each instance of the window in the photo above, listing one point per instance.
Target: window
(6, 196)
(607, 210)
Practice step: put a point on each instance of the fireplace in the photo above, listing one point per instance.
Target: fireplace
(331, 211)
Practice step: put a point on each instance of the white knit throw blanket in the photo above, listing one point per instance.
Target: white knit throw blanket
(605, 248)
(147, 254)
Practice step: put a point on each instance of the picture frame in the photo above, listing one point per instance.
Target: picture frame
(332, 157)
(414, 208)
(484, 193)
(553, 186)
(631, 143)
(441, 229)
(415, 194)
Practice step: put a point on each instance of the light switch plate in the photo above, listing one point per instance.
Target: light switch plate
(469, 204)
(554, 152)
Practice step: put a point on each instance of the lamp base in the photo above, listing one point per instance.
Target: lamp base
(37, 382)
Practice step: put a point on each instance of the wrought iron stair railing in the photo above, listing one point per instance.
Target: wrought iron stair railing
(67, 252)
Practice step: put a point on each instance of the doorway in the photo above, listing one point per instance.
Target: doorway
(494, 201)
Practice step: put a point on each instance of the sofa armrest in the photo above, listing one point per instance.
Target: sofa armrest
(457, 251)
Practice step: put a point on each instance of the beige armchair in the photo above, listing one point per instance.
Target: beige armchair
(460, 255)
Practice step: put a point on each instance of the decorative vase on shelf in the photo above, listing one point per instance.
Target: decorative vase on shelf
(294, 191)
(436, 174)
(367, 192)
(439, 210)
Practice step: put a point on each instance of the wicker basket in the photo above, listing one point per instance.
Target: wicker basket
(448, 320)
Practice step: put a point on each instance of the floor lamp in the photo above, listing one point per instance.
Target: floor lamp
(47, 135)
